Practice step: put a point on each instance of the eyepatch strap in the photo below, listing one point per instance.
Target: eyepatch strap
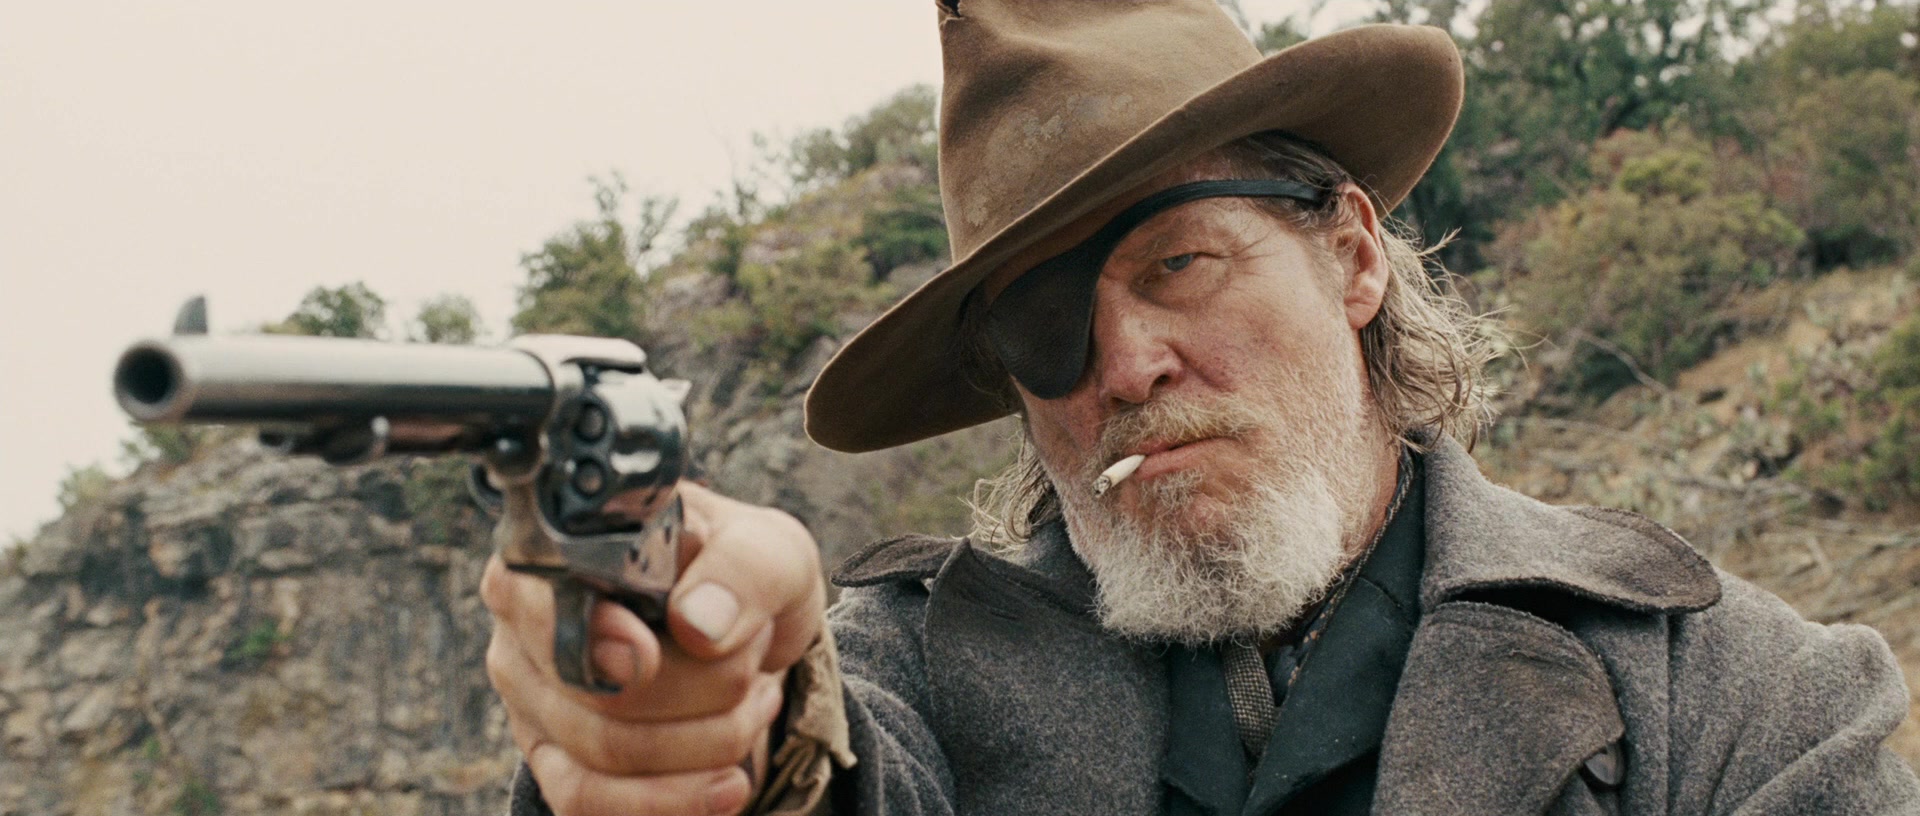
(1041, 324)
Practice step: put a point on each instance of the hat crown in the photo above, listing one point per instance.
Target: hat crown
(1038, 91)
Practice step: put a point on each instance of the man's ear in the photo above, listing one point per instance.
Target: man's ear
(1356, 245)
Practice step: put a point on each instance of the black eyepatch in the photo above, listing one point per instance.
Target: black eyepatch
(1041, 324)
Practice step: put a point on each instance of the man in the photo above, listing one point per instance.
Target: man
(1302, 598)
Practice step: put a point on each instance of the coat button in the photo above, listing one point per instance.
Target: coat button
(1607, 765)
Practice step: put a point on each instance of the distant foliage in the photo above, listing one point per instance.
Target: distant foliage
(906, 227)
(436, 497)
(1854, 142)
(1865, 413)
(347, 311)
(1276, 36)
(1545, 82)
(447, 319)
(589, 280)
(83, 486)
(168, 444)
(897, 131)
(788, 302)
(1646, 263)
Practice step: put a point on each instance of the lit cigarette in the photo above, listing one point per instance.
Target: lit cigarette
(1117, 474)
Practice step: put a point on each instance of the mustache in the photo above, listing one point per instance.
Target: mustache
(1179, 420)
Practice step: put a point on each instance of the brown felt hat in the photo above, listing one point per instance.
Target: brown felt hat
(1053, 108)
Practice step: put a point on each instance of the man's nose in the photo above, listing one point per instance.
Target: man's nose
(1132, 354)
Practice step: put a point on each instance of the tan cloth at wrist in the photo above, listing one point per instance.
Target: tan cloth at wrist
(816, 737)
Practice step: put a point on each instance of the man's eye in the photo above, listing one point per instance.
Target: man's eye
(1177, 262)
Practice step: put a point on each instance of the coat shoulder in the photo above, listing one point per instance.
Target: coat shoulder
(1784, 714)
(911, 558)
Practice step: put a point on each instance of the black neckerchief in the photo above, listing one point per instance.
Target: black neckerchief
(1335, 687)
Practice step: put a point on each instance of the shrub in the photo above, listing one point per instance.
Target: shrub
(589, 280)
(436, 497)
(447, 319)
(83, 486)
(252, 648)
(899, 130)
(1646, 264)
(906, 228)
(1864, 411)
(347, 311)
(1850, 167)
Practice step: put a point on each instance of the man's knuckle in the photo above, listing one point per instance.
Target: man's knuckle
(499, 654)
(495, 591)
(734, 687)
(743, 727)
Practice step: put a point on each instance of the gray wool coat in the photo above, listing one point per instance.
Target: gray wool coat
(1568, 661)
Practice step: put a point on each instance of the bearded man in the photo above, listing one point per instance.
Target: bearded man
(1242, 565)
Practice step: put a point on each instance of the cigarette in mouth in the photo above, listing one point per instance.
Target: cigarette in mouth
(1117, 474)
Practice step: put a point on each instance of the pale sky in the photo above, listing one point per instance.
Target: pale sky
(250, 151)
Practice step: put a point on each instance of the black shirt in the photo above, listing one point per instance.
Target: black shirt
(1334, 685)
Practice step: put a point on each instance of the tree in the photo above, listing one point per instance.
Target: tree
(83, 486)
(347, 311)
(899, 130)
(1549, 78)
(589, 279)
(1833, 107)
(1636, 273)
(447, 319)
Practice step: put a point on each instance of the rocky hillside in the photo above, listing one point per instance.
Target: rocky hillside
(251, 634)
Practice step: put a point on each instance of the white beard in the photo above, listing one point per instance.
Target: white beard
(1276, 552)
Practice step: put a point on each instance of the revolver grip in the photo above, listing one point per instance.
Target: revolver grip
(572, 653)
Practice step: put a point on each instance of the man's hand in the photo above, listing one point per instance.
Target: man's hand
(748, 604)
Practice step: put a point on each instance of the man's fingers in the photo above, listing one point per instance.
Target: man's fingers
(687, 686)
(520, 655)
(581, 724)
(627, 748)
(572, 789)
(754, 566)
(625, 651)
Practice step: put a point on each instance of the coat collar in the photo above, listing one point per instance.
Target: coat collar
(1480, 537)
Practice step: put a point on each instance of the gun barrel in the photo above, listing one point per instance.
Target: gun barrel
(436, 395)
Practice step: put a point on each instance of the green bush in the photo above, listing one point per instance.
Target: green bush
(799, 298)
(1865, 414)
(1645, 265)
(347, 311)
(1850, 167)
(906, 228)
(252, 648)
(83, 486)
(436, 497)
(589, 280)
(447, 319)
(898, 130)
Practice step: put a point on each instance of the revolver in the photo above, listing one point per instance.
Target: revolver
(579, 447)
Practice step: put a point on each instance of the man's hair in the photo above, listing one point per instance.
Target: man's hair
(1426, 351)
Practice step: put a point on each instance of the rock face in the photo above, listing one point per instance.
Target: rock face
(252, 634)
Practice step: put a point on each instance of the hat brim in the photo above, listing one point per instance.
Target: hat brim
(1380, 99)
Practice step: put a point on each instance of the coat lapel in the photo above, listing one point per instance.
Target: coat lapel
(1483, 537)
(1498, 707)
(1040, 709)
(1495, 714)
